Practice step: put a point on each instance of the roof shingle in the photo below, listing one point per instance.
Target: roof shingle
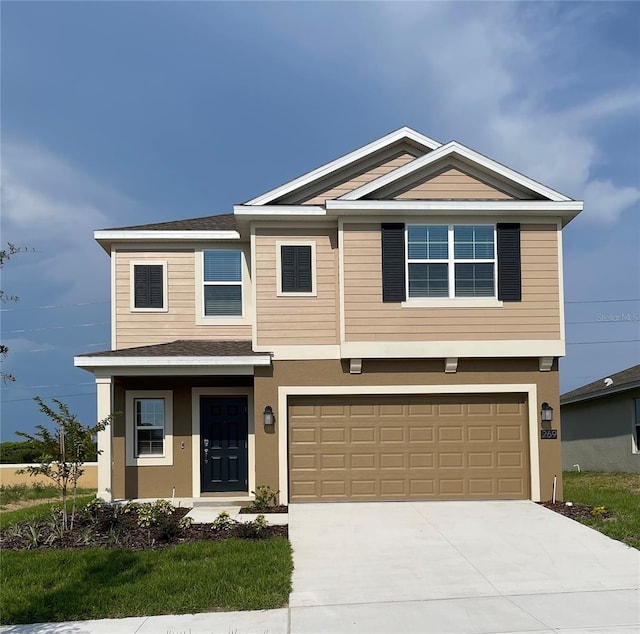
(220, 222)
(620, 380)
(184, 348)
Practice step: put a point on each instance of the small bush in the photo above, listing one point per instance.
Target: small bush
(223, 522)
(265, 498)
(598, 511)
(252, 530)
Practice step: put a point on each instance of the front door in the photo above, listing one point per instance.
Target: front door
(223, 443)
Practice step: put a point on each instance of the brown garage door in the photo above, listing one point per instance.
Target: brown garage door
(453, 447)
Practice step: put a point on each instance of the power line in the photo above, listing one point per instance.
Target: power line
(21, 330)
(589, 343)
(34, 387)
(603, 301)
(16, 400)
(46, 307)
(604, 321)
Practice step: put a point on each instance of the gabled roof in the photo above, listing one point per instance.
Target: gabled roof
(452, 149)
(220, 222)
(613, 383)
(404, 134)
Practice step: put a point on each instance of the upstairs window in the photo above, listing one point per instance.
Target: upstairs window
(296, 274)
(148, 288)
(451, 261)
(222, 272)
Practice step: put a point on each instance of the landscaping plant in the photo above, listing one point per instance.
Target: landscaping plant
(63, 452)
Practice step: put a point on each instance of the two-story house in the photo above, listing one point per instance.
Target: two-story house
(385, 327)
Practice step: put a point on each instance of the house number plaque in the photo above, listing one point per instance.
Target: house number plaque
(549, 434)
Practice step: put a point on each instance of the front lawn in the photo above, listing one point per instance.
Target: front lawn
(205, 576)
(172, 567)
(619, 493)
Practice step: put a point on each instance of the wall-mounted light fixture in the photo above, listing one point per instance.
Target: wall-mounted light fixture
(267, 415)
(546, 413)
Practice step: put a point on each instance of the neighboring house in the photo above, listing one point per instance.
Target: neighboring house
(601, 424)
(385, 327)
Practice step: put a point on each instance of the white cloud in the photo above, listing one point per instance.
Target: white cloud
(52, 207)
(511, 80)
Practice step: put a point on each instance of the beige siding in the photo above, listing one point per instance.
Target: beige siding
(367, 318)
(289, 320)
(361, 179)
(452, 184)
(179, 322)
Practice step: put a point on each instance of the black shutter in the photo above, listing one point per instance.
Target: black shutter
(148, 286)
(295, 262)
(393, 264)
(509, 268)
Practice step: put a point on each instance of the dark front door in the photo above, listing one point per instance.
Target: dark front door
(223, 443)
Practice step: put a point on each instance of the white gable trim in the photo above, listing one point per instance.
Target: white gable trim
(135, 234)
(357, 155)
(454, 149)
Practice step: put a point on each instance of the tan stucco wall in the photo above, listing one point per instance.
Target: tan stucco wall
(159, 481)
(597, 434)
(403, 372)
(9, 477)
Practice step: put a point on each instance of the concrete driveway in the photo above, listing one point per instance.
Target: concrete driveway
(464, 567)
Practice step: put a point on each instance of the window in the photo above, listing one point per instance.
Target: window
(149, 427)
(296, 268)
(222, 273)
(451, 261)
(636, 427)
(149, 422)
(148, 286)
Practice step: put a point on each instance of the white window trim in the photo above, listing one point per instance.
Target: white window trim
(451, 261)
(131, 459)
(296, 243)
(132, 289)
(223, 320)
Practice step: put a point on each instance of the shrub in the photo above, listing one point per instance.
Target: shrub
(265, 498)
(253, 529)
(223, 522)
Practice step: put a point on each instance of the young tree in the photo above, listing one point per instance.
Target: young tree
(7, 254)
(63, 452)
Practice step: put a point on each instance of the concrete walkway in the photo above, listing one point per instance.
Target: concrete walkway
(429, 567)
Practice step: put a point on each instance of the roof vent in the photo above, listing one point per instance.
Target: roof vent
(608, 382)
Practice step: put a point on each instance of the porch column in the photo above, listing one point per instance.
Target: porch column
(104, 409)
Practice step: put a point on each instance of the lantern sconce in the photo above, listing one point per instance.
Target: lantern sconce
(267, 416)
(546, 413)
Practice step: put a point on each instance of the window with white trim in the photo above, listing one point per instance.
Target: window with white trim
(149, 417)
(149, 286)
(222, 283)
(451, 261)
(149, 427)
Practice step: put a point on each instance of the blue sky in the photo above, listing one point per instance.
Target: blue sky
(127, 113)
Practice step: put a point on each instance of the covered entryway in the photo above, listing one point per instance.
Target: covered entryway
(409, 447)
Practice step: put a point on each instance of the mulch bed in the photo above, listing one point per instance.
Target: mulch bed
(283, 508)
(575, 511)
(104, 530)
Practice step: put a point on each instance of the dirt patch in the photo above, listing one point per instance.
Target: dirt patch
(22, 504)
(272, 509)
(577, 511)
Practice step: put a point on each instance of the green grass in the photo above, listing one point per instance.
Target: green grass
(39, 512)
(64, 585)
(618, 493)
(12, 493)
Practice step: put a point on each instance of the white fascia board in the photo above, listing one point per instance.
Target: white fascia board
(299, 212)
(566, 210)
(357, 155)
(463, 152)
(125, 235)
(156, 362)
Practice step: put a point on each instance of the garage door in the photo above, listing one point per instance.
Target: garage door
(431, 447)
